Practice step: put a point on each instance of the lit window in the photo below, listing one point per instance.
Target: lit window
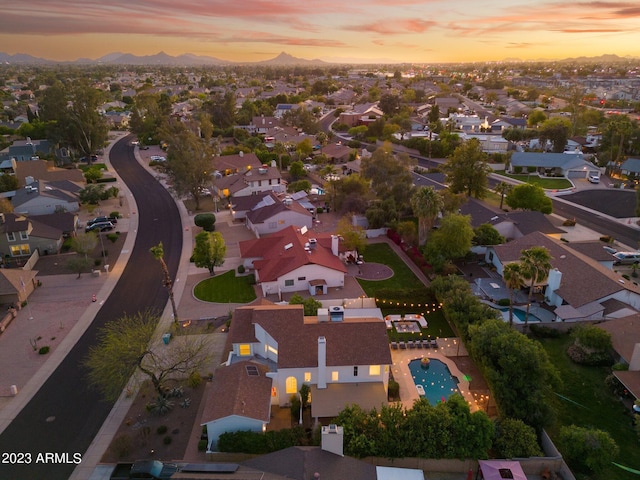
(307, 377)
(245, 350)
(271, 349)
(274, 392)
(291, 385)
(335, 376)
(374, 370)
(19, 250)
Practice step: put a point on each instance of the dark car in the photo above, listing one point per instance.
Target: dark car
(102, 220)
(99, 227)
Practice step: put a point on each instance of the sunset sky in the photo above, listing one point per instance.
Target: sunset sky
(424, 31)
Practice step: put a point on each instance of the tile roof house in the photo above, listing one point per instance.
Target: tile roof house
(45, 170)
(25, 150)
(568, 165)
(343, 358)
(42, 198)
(20, 236)
(246, 175)
(631, 166)
(294, 260)
(245, 403)
(577, 286)
(16, 285)
(273, 215)
(625, 338)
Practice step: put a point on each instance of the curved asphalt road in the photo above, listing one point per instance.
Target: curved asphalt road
(78, 411)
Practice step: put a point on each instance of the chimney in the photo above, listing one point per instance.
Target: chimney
(332, 439)
(322, 362)
(334, 244)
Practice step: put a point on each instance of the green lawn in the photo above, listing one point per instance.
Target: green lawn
(226, 288)
(546, 183)
(600, 408)
(84, 167)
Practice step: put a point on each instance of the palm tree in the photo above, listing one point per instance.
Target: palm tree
(503, 188)
(512, 276)
(426, 204)
(535, 264)
(158, 253)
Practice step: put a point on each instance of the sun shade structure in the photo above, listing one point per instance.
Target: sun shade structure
(500, 470)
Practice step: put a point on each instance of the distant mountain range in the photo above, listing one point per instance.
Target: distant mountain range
(188, 59)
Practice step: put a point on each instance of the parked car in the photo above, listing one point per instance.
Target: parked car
(626, 258)
(99, 227)
(102, 219)
(158, 158)
(594, 178)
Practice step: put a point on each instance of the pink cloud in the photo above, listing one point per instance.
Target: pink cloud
(394, 27)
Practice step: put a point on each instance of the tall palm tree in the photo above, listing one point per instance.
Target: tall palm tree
(426, 204)
(158, 253)
(535, 264)
(512, 276)
(502, 189)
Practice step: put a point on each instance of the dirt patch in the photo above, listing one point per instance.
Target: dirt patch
(374, 271)
(59, 264)
(143, 434)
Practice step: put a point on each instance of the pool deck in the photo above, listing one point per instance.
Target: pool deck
(448, 347)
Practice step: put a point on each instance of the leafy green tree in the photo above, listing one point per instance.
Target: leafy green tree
(503, 354)
(158, 253)
(354, 237)
(209, 251)
(299, 185)
(296, 170)
(452, 239)
(535, 264)
(222, 109)
(82, 244)
(350, 194)
(389, 104)
(93, 174)
(528, 196)
(556, 130)
(486, 234)
(587, 449)
(592, 337)
(310, 304)
(188, 161)
(536, 117)
(304, 148)
(467, 169)
(8, 183)
(408, 232)
(149, 112)
(513, 279)
(451, 202)
(426, 205)
(515, 439)
(125, 345)
(381, 213)
(206, 221)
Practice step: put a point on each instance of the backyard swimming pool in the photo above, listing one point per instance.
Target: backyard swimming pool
(519, 315)
(436, 380)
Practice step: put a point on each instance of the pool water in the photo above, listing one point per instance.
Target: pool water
(520, 315)
(437, 381)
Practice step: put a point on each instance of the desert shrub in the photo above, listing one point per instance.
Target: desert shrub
(161, 406)
(541, 331)
(113, 236)
(514, 438)
(504, 302)
(517, 169)
(194, 380)
(162, 429)
(620, 367)
(587, 449)
(114, 214)
(606, 239)
(394, 389)
(584, 356)
(319, 210)
(43, 350)
(207, 221)
(241, 269)
(531, 169)
(122, 446)
(590, 336)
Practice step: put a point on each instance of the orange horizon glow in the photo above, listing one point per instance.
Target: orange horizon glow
(401, 31)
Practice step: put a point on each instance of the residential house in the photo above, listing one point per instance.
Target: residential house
(283, 108)
(362, 114)
(504, 123)
(16, 284)
(27, 172)
(25, 150)
(563, 164)
(625, 333)
(578, 287)
(261, 125)
(489, 143)
(272, 215)
(337, 153)
(245, 402)
(240, 206)
(20, 236)
(294, 260)
(42, 198)
(343, 354)
(250, 182)
(631, 167)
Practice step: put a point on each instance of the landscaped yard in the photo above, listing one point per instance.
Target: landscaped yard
(595, 407)
(226, 288)
(546, 183)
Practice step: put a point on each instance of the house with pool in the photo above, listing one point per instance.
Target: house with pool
(342, 355)
(578, 287)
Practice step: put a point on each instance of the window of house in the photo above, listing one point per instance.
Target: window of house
(11, 236)
(273, 225)
(288, 283)
(271, 349)
(355, 371)
(20, 250)
(24, 235)
(245, 350)
(374, 370)
(291, 385)
(307, 377)
(335, 376)
(301, 279)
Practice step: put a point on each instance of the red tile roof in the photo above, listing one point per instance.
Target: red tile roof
(276, 261)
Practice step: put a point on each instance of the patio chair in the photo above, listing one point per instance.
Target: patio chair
(402, 345)
(394, 345)
(434, 344)
(411, 344)
(418, 344)
(426, 344)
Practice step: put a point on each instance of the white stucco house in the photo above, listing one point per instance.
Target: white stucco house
(293, 260)
(273, 214)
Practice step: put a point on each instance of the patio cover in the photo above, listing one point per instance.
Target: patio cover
(501, 469)
(330, 401)
(396, 473)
